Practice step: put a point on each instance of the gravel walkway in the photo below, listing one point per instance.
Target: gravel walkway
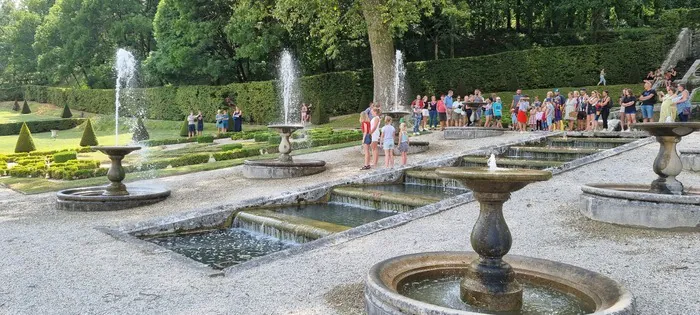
(57, 263)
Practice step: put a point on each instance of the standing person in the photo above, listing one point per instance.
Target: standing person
(558, 115)
(497, 112)
(478, 98)
(191, 125)
(622, 111)
(457, 109)
(219, 123)
(581, 102)
(549, 115)
(237, 120)
(366, 138)
(488, 113)
(425, 113)
(591, 108)
(668, 76)
(602, 78)
(523, 105)
(442, 112)
(200, 123)
(417, 109)
(683, 103)
(560, 97)
(374, 132)
(433, 113)
(224, 118)
(448, 108)
(516, 101)
(648, 99)
(304, 113)
(669, 111)
(570, 111)
(538, 116)
(403, 143)
(630, 110)
(387, 138)
(369, 110)
(606, 104)
(532, 118)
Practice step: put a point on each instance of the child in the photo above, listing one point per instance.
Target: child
(539, 116)
(498, 112)
(403, 143)
(532, 119)
(366, 138)
(387, 138)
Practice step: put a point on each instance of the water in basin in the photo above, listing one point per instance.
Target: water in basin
(222, 248)
(338, 213)
(419, 190)
(537, 300)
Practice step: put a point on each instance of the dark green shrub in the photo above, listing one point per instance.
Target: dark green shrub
(15, 106)
(25, 108)
(66, 112)
(184, 129)
(190, 159)
(88, 138)
(320, 114)
(8, 129)
(62, 157)
(231, 154)
(101, 171)
(261, 137)
(274, 139)
(140, 132)
(230, 146)
(25, 143)
(205, 139)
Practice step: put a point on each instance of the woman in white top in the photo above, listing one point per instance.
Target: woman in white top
(374, 131)
(569, 109)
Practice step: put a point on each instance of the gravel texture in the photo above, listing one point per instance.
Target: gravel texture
(55, 262)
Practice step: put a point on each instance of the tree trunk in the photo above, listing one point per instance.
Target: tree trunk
(517, 16)
(381, 46)
(436, 47)
(452, 46)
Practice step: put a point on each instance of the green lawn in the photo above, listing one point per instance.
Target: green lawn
(351, 121)
(39, 112)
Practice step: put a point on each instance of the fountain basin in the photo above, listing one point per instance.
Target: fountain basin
(271, 169)
(94, 198)
(589, 291)
(635, 205)
(458, 133)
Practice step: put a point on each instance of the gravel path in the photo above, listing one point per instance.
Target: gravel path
(57, 263)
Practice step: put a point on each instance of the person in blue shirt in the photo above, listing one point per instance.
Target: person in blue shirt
(451, 121)
(497, 108)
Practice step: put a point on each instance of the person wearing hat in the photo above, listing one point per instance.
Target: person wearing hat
(523, 106)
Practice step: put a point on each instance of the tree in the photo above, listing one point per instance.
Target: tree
(25, 108)
(25, 143)
(88, 138)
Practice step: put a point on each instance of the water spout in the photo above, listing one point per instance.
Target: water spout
(125, 66)
(399, 75)
(492, 163)
(288, 77)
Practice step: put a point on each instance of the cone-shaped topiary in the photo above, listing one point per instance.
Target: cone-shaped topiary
(140, 132)
(66, 112)
(25, 108)
(89, 138)
(184, 130)
(15, 107)
(25, 143)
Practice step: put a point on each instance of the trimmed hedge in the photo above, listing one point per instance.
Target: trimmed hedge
(88, 138)
(62, 157)
(230, 146)
(25, 143)
(205, 139)
(36, 126)
(66, 112)
(347, 92)
(25, 108)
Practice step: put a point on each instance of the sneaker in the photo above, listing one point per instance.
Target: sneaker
(364, 168)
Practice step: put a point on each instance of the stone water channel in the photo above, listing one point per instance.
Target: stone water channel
(228, 237)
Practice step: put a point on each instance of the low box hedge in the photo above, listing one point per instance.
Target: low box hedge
(231, 146)
(205, 139)
(61, 157)
(190, 159)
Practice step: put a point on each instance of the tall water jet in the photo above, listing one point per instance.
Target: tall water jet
(116, 195)
(399, 77)
(125, 67)
(284, 166)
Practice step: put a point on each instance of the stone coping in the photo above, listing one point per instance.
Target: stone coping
(602, 294)
(641, 193)
(557, 150)
(295, 163)
(386, 196)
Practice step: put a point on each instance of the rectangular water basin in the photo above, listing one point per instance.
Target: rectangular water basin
(337, 213)
(418, 190)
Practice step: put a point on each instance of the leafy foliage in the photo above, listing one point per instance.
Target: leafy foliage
(14, 128)
(25, 143)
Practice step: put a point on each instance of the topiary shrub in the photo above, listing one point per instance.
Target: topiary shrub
(25, 108)
(319, 115)
(15, 106)
(140, 132)
(190, 159)
(230, 146)
(62, 157)
(205, 139)
(184, 129)
(66, 112)
(25, 143)
(88, 138)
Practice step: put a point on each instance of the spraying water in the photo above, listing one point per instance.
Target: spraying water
(288, 75)
(125, 67)
(492, 163)
(399, 75)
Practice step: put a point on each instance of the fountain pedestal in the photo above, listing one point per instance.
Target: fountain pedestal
(490, 282)
(116, 172)
(284, 166)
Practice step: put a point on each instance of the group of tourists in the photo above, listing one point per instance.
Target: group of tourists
(449, 111)
(195, 123)
(374, 136)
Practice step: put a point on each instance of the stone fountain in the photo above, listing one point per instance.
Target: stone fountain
(285, 166)
(488, 282)
(459, 133)
(116, 195)
(664, 203)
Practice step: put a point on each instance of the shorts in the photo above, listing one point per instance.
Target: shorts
(225, 124)
(375, 136)
(442, 116)
(456, 115)
(403, 147)
(389, 145)
(219, 124)
(581, 115)
(647, 111)
(497, 117)
(549, 121)
(425, 113)
(200, 127)
(367, 139)
(590, 110)
(191, 128)
(630, 110)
